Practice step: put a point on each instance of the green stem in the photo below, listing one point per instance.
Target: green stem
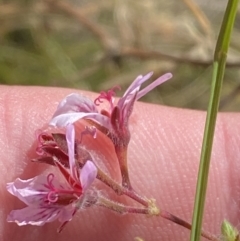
(217, 79)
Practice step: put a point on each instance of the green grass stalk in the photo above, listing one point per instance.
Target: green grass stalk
(219, 63)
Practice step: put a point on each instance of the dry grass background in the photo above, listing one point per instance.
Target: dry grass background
(95, 45)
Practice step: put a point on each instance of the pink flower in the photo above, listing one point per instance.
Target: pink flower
(47, 199)
(114, 121)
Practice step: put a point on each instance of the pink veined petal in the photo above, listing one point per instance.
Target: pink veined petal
(75, 103)
(88, 175)
(35, 215)
(33, 191)
(29, 191)
(70, 137)
(153, 85)
(70, 118)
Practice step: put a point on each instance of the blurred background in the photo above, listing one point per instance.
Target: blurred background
(95, 45)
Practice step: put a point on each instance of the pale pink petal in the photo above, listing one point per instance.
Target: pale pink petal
(153, 85)
(88, 175)
(134, 93)
(29, 191)
(70, 118)
(34, 190)
(34, 215)
(70, 137)
(75, 103)
(137, 83)
(128, 108)
(39, 215)
(130, 93)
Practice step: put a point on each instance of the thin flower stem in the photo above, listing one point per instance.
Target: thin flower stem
(179, 221)
(119, 207)
(120, 190)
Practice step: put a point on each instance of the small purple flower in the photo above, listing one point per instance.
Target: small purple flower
(47, 199)
(115, 120)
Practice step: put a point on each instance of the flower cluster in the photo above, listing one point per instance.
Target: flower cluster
(53, 196)
(47, 198)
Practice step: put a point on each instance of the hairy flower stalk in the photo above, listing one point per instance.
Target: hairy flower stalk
(123, 209)
(113, 122)
(119, 207)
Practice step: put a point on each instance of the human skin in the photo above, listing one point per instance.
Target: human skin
(164, 154)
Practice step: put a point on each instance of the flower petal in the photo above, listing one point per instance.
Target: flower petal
(75, 103)
(70, 137)
(153, 85)
(130, 93)
(34, 190)
(88, 175)
(70, 118)
(39, 215)
(33, 215)
(137, 83)
(29, 191)
(127, 109)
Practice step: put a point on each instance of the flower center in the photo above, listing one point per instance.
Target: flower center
(60, 196)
